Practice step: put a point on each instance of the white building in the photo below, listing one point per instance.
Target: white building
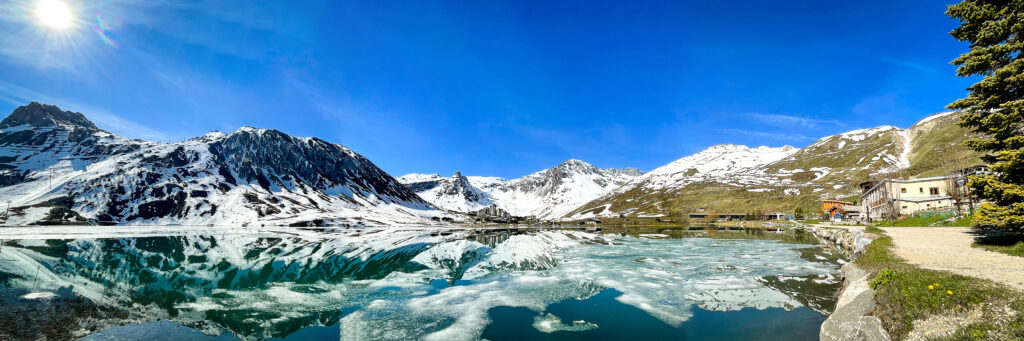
(891, 198)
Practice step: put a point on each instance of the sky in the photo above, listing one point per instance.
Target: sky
(494, 88)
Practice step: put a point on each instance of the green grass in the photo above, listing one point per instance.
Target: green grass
(879, 254)
(1011, 244)
(1012, 330)
(904, 293)
(927, 221)
(811, 221)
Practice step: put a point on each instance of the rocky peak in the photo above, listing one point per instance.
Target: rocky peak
(45, 115)
(630, 171)
(573, 166)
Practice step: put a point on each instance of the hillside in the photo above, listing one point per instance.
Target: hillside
(57, 166)
(739, 179)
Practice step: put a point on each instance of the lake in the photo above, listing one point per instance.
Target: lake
(401, 284)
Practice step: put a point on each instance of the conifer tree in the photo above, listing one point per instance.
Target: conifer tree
(995, 105)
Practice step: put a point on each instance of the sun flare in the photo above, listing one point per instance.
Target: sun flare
(54, 14)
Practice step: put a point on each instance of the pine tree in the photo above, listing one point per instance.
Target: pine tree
(995, 105)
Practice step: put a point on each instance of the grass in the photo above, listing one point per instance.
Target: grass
(927, 221)
(1008, 243)
(1011, 330)
(905, 293)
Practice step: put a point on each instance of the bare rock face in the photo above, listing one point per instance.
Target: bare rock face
(43, 115)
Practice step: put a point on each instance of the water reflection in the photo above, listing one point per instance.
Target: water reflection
(391, 284)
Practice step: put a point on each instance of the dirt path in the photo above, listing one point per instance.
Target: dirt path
(949, 249)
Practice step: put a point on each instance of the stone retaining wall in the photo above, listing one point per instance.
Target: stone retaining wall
(850, 320)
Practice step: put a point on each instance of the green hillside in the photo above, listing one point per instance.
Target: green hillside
(831, 168)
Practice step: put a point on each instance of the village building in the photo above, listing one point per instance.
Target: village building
(828, 205)
(893, 198)
(718, 216)
(846, 213)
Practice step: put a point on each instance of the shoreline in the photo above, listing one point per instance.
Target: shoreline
(852, 319)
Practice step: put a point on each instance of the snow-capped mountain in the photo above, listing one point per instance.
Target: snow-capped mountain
(742, 179)
(455, 193)
(547, 194)
(58, 166)
(726, 162)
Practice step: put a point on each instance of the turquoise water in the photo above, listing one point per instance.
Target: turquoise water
(414, 284)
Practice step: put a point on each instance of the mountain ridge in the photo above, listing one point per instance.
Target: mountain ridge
(782, 179)
(545, 194)
(56, 166)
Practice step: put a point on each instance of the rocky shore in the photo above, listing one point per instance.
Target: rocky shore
(851, 319)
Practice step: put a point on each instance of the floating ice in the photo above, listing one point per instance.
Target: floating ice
(549, 323)
(407, 284)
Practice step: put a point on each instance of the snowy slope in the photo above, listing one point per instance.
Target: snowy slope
(57, 165)
(830, 167)
(547, 194)
(455, 193)
(727, 162)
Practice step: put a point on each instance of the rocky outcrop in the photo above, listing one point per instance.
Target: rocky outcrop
(851, 319)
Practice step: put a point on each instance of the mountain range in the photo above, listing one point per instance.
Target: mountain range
(548, 194)
(740, 179)
(56, 166)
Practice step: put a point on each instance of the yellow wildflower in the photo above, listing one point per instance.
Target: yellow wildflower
(949, 292)
(930, 287)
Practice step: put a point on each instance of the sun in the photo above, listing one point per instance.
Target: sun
(54, 14)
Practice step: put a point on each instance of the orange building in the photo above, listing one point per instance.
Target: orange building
(827, 205)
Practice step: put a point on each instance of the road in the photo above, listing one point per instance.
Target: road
(949, 249)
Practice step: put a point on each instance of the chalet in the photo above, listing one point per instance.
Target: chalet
(827, 205)
(846, 213)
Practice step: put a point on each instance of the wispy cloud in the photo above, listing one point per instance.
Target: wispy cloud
(788, 121)
(374, 124)
(910, 64)
(18, 95)
(771, 135)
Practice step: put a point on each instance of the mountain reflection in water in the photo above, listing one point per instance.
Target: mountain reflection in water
(411, 284)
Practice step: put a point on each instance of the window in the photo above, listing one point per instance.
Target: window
(928, 205)
(933, 191)
(921, 189)
(903, 190)
(904, 207)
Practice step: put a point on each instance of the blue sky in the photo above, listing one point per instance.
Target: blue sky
(490, 87)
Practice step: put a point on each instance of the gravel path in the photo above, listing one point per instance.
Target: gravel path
(949, 249)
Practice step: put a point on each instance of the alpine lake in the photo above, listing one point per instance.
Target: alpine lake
(418, 283)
